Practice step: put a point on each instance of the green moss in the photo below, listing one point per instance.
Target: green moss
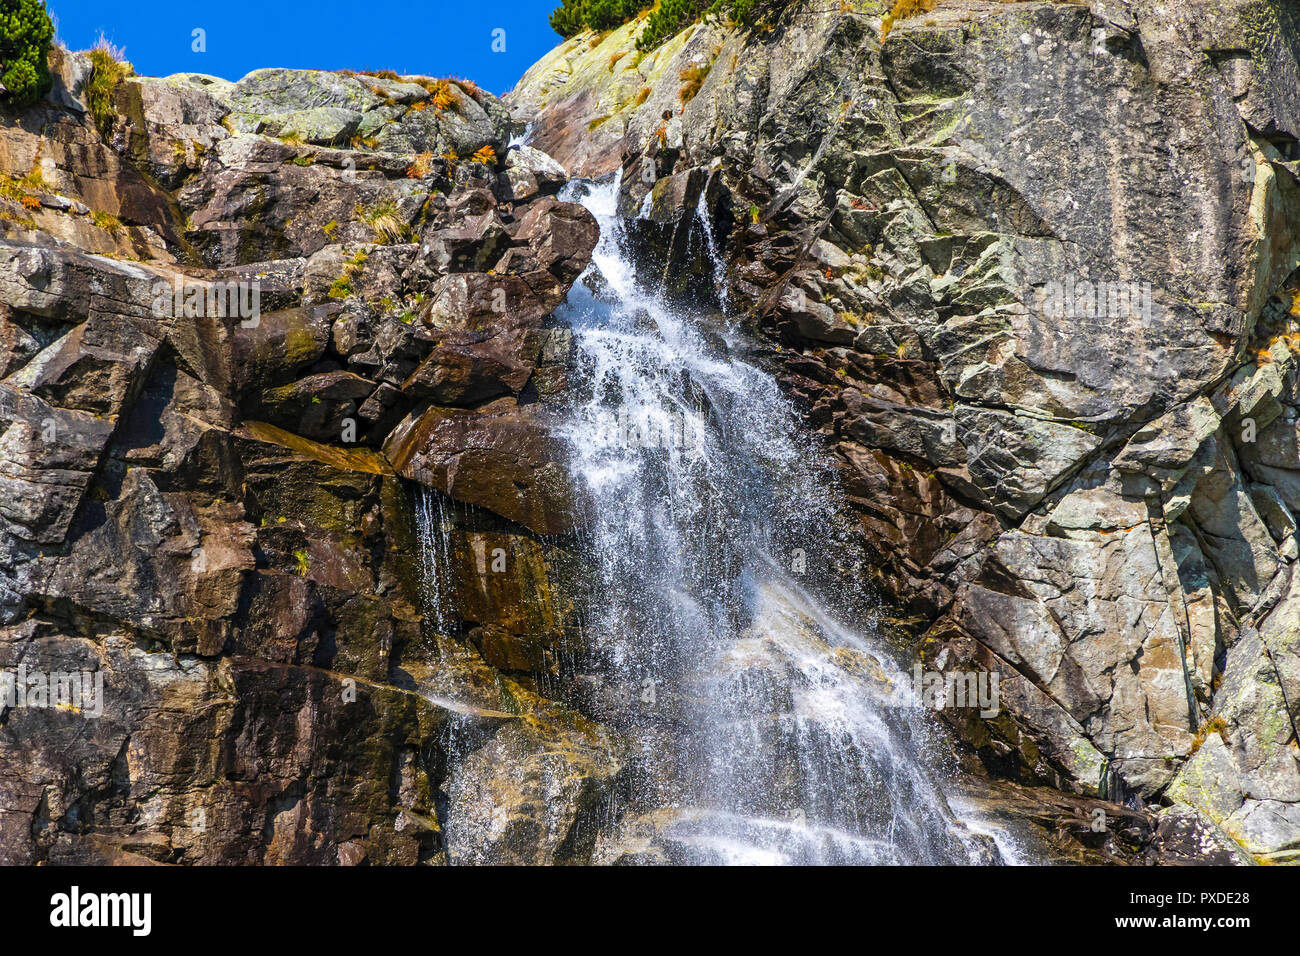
(341, 288)
(109, 223)
(15, 189)
(345, 459)
(299, 343)
(26, 222)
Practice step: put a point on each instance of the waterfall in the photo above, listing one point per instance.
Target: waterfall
(764, 730)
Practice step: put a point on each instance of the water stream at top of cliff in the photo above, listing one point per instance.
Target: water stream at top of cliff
(764, 729)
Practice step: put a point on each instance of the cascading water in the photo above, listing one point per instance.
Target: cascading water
(764, 731)
(434, 520)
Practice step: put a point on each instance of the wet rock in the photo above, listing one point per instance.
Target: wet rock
(910, 199)
(269, 351)
(499, 456)
(318, 406)
(512, 803)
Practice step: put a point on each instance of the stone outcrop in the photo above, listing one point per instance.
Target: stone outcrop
(1030, 269)
(216, 315)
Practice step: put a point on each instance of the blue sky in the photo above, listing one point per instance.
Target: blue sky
(436, 38)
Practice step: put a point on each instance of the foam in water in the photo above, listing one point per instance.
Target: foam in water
(764, 730)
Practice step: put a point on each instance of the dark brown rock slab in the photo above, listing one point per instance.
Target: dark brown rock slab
(501, 457)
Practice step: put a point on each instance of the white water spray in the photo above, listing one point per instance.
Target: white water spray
(764, 730)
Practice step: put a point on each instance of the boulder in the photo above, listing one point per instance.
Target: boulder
(499, 456)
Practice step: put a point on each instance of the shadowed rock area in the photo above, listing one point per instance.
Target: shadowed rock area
(230, 322)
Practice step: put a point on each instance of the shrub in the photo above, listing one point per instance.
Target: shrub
(353, 266)
(668, 19)
(485, 155)
(672, 16)
(694, 77)
(440, 95)
(663, 20)
(385, 222)
(12, 188)
(106, 221)
(574, 16)
(25, 35)
(1215, 725)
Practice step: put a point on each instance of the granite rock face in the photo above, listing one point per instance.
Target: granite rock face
(213, 614)
(1031, 270)
(271, 350)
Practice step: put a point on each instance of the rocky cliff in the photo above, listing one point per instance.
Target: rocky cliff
(279, 367)
(1030, 269)
(233, 317)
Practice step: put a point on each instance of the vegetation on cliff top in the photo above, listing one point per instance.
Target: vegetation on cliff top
(25, 35)
(108, 69)
(663, 19)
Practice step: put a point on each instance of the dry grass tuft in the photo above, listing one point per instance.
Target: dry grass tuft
(693, 77)
(421, 166)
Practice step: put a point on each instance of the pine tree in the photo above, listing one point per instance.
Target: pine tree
(25, 35)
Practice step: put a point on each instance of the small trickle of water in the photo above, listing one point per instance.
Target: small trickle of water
(434, 523)
(521, 138)
(715, 253)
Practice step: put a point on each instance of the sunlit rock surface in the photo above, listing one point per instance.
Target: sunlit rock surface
(1030, 269)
